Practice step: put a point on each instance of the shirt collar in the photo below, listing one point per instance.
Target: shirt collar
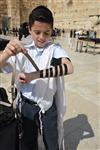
(30, 43)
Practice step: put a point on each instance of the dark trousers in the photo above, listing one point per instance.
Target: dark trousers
(9, 137)
(31, 124)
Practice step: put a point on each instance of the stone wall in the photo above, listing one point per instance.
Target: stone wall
(3, 10)
(26, 6)
(75, 13)
(14, 12)
(68, 14)
(17, 10)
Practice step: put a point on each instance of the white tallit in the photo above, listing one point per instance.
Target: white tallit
(59, 96)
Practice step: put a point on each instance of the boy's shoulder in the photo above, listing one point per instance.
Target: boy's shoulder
(54, 44)
(27, 41)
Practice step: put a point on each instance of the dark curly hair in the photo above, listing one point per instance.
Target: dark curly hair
(41, 14)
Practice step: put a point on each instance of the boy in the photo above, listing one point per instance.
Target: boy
(39, 88)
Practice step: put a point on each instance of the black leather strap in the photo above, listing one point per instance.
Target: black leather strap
(32, 61)
(12, 87)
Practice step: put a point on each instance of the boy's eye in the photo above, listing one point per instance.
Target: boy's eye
(39, 32)
(47, 33)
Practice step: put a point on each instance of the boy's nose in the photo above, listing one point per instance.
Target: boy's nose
(42, 35)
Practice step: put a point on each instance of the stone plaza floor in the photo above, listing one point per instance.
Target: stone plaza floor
(82, 118)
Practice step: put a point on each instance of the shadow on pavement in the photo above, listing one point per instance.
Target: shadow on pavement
(76, 129)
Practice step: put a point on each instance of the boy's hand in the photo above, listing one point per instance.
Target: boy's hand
(27, 77)
(14, 47)
(24, 77)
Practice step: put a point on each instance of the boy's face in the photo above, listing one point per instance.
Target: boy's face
(41, 33)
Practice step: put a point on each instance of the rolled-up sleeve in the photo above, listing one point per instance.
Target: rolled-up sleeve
(59, 52)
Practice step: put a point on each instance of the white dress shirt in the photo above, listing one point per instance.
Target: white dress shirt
(40, 90)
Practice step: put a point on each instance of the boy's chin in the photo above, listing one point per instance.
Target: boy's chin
(41, 45)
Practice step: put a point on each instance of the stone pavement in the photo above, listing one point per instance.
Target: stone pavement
(82, 118)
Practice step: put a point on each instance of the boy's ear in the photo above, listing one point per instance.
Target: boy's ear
(51, 31)
(29, 30)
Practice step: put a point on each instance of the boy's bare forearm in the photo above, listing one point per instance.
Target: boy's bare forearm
(13, 47)
(55, 71)
(3, 58)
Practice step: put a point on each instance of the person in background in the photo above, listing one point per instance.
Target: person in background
(23, 30)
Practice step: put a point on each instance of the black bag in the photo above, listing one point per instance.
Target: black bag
(7, 115)
(9, 137)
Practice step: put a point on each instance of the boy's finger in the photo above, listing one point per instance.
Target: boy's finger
(22, 80)
(19, 47)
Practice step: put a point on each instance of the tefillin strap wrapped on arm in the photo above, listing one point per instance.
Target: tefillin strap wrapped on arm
(58, 69)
